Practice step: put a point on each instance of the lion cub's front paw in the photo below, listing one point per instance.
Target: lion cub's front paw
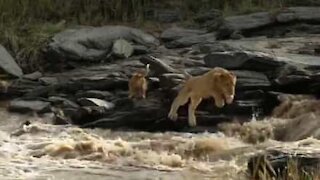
(173, 116)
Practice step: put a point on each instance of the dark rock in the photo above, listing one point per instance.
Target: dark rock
(93, 83)
(8, 64)
(48, 80)
(188, 62)
(33, 76)
(188, 41)
(20, 87)
(96, 102)
(251, 80)
(245, 60)
(224, 32)
(170, 80)
(236, 35)
(290, 79)
(296, 79)
(157, 65)
(94, 43)
(177, 33)
(206, 48)
(24, 106)
(196, 71)
(62, 102)
(139, 49)
(80, 115)
(151, 115)
(95, 94)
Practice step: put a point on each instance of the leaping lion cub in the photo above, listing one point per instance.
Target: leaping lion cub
(218, 83)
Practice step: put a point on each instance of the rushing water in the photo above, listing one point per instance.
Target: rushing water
(44, 151)
(40, 151)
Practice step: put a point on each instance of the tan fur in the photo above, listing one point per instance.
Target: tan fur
(138, 84)
(218, 83)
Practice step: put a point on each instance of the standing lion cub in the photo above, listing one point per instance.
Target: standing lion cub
(218, 83)
(138, 84)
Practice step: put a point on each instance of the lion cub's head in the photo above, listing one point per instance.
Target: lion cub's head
(226, 83)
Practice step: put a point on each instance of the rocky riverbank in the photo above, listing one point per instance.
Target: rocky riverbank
(88, 68)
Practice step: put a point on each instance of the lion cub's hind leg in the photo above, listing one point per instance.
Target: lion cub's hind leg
(181, 99)
(195, 101)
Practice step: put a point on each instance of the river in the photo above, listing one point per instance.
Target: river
(45, 151)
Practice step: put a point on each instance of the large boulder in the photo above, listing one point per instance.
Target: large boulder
(94, 43)
(8, 64)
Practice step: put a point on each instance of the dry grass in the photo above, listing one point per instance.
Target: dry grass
(264, 171)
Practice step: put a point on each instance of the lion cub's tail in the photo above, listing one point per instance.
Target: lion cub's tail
(147, 69)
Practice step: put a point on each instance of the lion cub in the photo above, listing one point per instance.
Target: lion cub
(138, 84)
(218, 83)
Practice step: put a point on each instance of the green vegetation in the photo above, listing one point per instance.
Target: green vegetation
(26, 25)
